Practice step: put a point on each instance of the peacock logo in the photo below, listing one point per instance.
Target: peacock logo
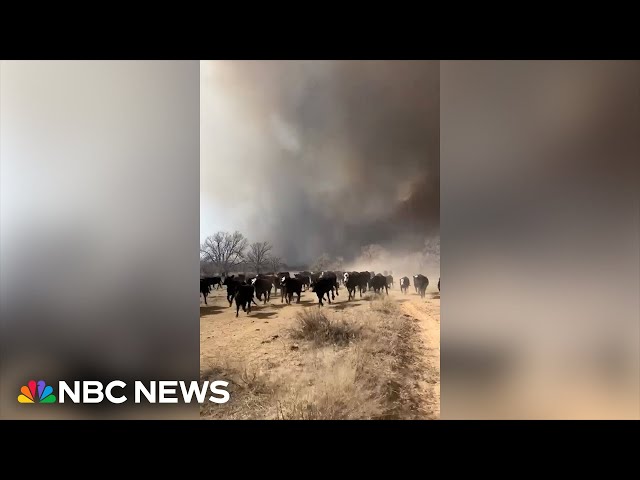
(28, 393)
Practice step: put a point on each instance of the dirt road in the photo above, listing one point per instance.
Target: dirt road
(260, 339)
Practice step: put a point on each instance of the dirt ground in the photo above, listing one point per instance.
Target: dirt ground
(262, 341)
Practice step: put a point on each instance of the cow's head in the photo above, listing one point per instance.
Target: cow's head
(253, 280)
(346, 277)
(283, 279)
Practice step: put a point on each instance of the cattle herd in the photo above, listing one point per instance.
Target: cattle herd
(245, 288)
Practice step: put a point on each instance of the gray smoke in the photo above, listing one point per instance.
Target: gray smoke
(321, 156)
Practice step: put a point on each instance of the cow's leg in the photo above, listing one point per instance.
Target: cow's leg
(237, 309)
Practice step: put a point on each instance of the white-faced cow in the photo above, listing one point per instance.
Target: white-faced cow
(263, 287)
(290, 286)
(404, 284)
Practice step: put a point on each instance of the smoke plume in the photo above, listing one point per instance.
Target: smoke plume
(321, 156)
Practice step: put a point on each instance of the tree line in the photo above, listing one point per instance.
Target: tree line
(226, 252)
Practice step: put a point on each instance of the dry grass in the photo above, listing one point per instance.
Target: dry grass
(314, 325)
(249, 388)
(363, 365)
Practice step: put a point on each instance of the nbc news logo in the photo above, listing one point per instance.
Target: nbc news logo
(90, 391)
(44, 393)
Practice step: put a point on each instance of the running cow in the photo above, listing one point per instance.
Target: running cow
(334, 280)
(244, 297)
(404, 284)
(263, 287)
(232, 284)
(323, 286)
(421, 283)
(379, 282)
(289, 286)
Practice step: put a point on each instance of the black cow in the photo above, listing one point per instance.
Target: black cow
(263, 287)
(334, 278)
(232, 284)
(289, 287)
(244, 297)
(205, 289)
(421, 283)
(323, 286)
(271, 278)
(363, 281)
(305, 273)
(213, 281)
(378, 282)
(305, 279)
(389, 281)
(404, 284)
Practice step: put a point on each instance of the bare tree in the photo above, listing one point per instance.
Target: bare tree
(225, 250)
(275, 263)
(258, 256)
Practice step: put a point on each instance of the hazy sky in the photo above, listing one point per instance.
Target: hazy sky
(320, 156)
